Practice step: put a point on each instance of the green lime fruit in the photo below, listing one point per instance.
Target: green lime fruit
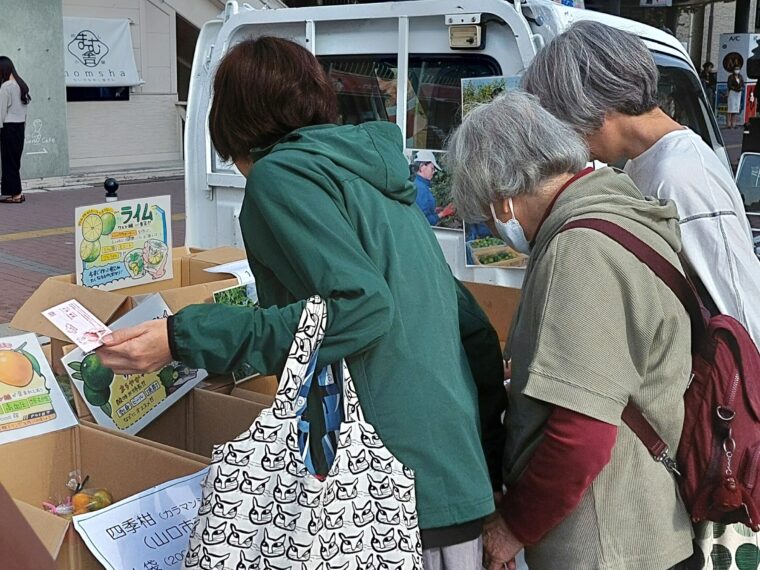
(109, 223)
(92, 227)
(94, 374)
(168, 376)
(96, 397)
(89, 251)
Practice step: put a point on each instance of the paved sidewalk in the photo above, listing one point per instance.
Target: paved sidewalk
(37, 237)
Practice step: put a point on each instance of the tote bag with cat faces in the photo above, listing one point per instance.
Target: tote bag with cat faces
(263, 510)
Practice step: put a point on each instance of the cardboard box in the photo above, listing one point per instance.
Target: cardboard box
(109, 305)
(199, 421)
(256, 397)
(199, 262)
(36, 469)
(499, 304)
(260, 384)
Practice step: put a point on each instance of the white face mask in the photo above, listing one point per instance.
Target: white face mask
(737, 71)
(511, 232)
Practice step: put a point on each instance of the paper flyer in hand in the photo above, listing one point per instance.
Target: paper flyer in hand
(125, 243)
(31, 402)
(130, 402)
(148, 531)
(81, 327)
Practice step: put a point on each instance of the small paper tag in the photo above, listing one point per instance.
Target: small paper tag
(78, 324)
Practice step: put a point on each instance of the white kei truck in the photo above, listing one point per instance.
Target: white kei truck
(365, 48)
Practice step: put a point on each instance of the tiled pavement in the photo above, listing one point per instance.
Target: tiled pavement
(37, 237)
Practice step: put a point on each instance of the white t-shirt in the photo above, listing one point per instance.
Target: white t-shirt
(716, 235)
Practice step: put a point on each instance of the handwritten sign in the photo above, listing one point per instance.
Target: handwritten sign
(148, 531)
(31, 402)
(130, 402)
(121, 244)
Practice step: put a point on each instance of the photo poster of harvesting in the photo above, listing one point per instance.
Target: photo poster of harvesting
(130, 402)
(125, 243)
(31, 402)
(244, 295)
(427, 171)
(482, 248)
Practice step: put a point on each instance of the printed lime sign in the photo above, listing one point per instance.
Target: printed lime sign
(121, 244)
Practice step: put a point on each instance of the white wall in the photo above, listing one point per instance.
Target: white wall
(147, 128)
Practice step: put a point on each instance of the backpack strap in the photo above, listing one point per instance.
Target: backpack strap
(682, 288)
(666, 271)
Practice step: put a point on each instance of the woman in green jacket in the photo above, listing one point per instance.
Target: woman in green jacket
(328, 210)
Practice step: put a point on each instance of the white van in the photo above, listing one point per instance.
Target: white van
(435, 43)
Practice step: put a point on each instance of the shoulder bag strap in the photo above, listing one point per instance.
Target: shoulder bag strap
(685, 292)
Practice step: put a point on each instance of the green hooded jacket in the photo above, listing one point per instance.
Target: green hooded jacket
(329, 210)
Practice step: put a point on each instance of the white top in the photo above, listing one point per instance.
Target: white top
(12, 110)
(716, 235)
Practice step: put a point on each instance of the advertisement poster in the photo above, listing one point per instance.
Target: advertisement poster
(31, 402)
(433, 184)
(148, 531)
(125, 243)
(130, 402)
(482, 248)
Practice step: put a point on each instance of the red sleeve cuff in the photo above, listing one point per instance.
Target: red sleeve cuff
(574, 450)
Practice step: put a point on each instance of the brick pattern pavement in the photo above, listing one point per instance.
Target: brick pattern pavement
(25, 263)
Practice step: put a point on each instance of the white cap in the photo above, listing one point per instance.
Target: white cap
(426, 156)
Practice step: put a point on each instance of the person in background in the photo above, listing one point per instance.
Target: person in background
(594, 330)
(603, 82)
(427, 167)
(14, 98)
(329, 210)
(707, 78)
(735, 86)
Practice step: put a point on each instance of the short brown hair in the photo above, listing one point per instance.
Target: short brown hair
(264, 89)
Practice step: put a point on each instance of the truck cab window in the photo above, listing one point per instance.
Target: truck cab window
(366, 88)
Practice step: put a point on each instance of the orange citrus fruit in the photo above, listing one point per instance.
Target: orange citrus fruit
(81, 503)
(15, 369)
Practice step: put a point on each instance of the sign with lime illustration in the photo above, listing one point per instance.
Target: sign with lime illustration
(130, 402)
(31, 402)
(126, 243)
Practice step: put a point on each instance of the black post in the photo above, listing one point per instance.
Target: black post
(741, 19)
(710, 24)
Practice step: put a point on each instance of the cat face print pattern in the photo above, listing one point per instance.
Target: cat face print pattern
(264, 509)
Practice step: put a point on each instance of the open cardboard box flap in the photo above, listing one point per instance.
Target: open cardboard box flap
(198, 263)
(194, 424)
(56, 290)
(106, 305)
(51, 530)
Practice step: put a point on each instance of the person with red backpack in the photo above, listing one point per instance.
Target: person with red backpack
(595, 330)
(603, 82)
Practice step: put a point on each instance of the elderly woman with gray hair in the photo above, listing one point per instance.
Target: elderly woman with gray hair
(595, 329)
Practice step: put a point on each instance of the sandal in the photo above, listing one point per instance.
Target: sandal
(14, 199)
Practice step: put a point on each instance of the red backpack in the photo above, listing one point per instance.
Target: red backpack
(718, 467)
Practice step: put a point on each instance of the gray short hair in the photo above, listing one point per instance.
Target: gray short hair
(591, 70)
(508, 147)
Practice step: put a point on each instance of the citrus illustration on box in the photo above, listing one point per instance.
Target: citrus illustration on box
(129, 402)
(124, 244)
(24, 396)
(125, 398)
(31, 402)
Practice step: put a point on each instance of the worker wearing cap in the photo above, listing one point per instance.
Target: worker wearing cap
(426, 169)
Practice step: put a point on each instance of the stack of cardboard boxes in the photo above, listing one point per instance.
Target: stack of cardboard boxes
(177, 443)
